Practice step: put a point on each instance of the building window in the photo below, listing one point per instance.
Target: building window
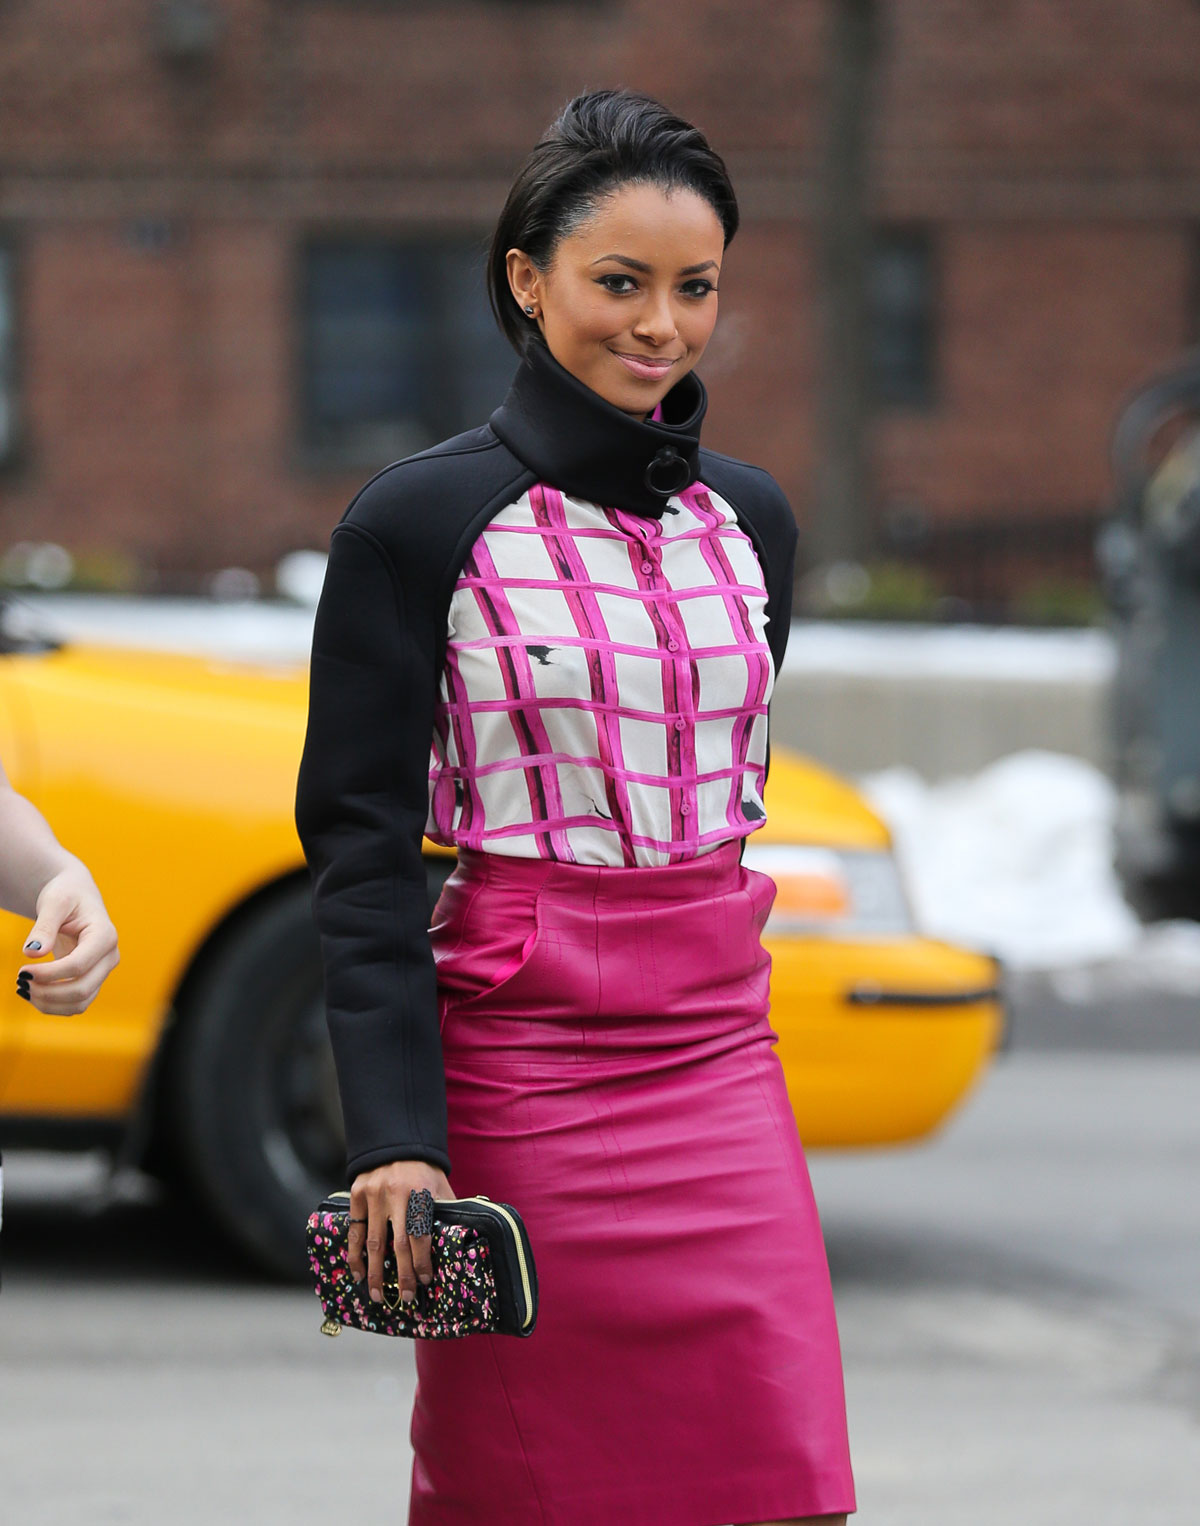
(8, 357)
(902, 318)
(399, 346)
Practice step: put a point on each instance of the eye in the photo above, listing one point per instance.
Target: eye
(612, 283)
(698, 288)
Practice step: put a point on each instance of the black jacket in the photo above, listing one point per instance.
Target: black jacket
(378, 649)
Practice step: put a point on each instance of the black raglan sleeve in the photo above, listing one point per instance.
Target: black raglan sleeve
(361, 808)
(780, 538)
(765, 514)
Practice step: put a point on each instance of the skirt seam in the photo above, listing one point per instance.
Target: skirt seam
(512, 1414)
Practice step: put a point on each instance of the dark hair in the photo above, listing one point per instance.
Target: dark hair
(601, 140)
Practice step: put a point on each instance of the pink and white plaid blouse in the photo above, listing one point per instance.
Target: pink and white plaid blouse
(604, 696)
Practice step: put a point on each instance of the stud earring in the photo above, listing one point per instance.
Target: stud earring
(529, 311)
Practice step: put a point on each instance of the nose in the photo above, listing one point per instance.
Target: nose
(655, 323)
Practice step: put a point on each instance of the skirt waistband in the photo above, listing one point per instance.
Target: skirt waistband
(693, 879)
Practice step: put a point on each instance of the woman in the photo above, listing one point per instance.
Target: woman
(40, 879)
(550, 642)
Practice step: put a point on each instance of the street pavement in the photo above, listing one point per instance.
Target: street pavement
(1019, 1301)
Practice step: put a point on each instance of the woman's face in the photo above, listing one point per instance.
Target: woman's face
(629, 300)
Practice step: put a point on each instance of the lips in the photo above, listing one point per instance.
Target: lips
(645, 367)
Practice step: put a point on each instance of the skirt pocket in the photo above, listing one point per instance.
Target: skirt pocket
(482, 949)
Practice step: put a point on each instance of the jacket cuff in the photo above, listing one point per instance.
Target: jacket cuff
(385, 1154)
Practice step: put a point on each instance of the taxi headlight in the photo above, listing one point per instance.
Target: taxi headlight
(832, 890)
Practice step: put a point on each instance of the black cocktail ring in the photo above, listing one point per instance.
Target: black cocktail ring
(418, 1221)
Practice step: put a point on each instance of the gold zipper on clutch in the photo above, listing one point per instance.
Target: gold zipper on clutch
(500, 1209)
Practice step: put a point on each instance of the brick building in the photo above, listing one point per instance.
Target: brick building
(239, 248)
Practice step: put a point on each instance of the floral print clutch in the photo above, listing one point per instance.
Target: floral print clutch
(484, 1279)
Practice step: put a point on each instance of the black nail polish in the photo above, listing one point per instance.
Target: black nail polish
(23, 993)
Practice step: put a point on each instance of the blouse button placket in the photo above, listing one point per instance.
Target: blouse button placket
(649, 533)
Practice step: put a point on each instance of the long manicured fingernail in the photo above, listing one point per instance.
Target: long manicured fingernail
(23, 993)
(33, 946)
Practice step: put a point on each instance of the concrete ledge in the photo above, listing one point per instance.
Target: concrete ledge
(944, 701)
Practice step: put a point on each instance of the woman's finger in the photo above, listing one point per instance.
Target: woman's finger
(421, 1250)
(405, 1273)
(97, 947)
(418, 1221)
(356, 1238)
(377, 1226)
(62, 998)
(355, 1241)
(53, 911)
(53, 1003)
(49, 994)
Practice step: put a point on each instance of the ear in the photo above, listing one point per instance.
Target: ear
(525, 281)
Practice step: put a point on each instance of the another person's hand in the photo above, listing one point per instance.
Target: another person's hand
(73, 925)
(381, 1196)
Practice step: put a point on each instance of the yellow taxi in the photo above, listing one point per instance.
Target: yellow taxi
(205, 1059)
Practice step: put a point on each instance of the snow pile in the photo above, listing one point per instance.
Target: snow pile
(1165, 959)
(300, 576)
(1018, 860)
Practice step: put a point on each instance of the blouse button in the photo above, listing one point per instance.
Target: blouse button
(647, 566)
(685, 809)
(680, 725)
(672, 646)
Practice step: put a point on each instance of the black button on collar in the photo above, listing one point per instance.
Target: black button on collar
(668, 473)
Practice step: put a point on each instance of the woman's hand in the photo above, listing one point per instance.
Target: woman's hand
(73, 924)
(377, 1198)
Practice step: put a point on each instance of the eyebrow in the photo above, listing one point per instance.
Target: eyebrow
(623, 259)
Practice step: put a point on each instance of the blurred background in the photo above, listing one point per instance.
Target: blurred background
(241, 248)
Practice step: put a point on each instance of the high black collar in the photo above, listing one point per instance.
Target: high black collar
(577, 442)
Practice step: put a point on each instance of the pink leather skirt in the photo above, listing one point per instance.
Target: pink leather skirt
(610, 1072)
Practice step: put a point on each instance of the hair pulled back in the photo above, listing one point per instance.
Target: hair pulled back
(601, 140)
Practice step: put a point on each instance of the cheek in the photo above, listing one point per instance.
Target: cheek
(697, 323)
(584, 319)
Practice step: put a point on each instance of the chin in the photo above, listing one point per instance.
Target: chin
(631, 396)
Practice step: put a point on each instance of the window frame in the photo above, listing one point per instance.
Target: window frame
(925, 395)
(12, 253)
(326, 456)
